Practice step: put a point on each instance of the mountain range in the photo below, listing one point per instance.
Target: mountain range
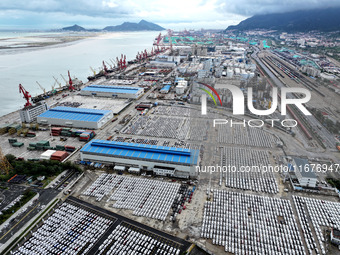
(324, 20)
(143, 25)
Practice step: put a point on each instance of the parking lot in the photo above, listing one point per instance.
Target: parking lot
(239, 135)
(249, 224)
(86, 229)
(144, 197)
(251, 179)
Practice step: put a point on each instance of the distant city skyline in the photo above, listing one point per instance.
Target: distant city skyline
(176, 14)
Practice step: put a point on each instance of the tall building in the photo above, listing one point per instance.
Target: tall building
(30, 114)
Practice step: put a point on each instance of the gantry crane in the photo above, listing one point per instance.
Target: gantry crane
(27, 96)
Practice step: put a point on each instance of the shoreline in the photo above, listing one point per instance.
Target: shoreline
(21, 45)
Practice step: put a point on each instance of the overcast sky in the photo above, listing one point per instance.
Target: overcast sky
(175, 14)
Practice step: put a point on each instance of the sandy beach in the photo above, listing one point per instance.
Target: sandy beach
(43, 40)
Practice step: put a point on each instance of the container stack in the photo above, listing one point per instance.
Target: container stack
(59, 155)
(43, 145)
(47, 154)
(86, 136)
(66, 132)
(56, 131)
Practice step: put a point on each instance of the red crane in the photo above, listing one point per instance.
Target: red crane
(159, 38)
(118, 63)
(27, 95)
(70, 86)
(124, 62)
(121, 62)
(105, 68)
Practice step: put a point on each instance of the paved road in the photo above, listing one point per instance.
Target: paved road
(45, 196)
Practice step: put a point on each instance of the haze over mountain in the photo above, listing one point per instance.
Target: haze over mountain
(324, 20)
(143, 25)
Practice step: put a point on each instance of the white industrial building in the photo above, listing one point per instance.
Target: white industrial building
(180, 89)
(304, 173)
(166, 161)
(75, 117)
(30, 114)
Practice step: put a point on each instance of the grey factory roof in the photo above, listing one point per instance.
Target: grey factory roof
(304, 168)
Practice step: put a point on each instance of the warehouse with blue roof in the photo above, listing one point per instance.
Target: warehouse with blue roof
(166, 161)
(75, 117)
(112, 91)
(165, 89)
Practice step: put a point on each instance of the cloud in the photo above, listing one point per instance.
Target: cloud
(99, 13)
(252, 7)
(108, 8)
(175, 13)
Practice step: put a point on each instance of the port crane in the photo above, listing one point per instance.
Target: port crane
(70, 82)
(105, 68)
(121, 62)
(53, 88)
(26, 94)
(159, 38)
(113, 62)
(56, 80)
(42, 88)
(109, 65)
(66, 82)
(94, 71)
(124, 62)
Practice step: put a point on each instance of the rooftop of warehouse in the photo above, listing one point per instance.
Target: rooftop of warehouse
(70, 113)
(302, 165)
(112, 89)
(142, 151)
(166, 87)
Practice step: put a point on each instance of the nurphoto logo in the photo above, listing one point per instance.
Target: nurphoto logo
(238, 100)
